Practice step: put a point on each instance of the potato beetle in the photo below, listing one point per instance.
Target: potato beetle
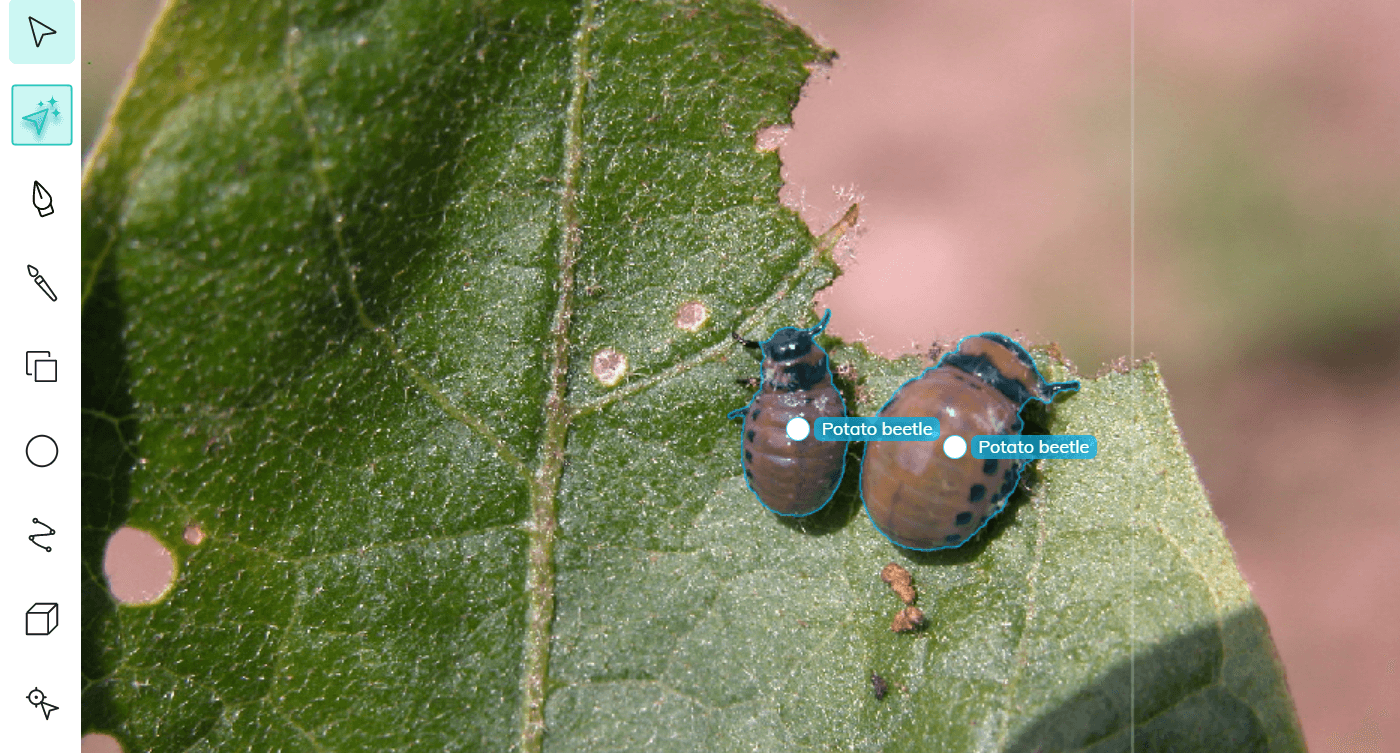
(916, 495)
(789, 471)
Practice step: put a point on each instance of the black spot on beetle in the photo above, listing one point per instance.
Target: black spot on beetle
(748, 456)
(754, 416)
(989, 466)
(952, 538)
(749, 436)
(978, 492)
(964, 518)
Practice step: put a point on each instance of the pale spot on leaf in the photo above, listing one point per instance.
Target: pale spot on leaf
(692, 315)
(609, 366)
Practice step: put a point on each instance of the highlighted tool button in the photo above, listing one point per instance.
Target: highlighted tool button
(42, 31)
(41, 114)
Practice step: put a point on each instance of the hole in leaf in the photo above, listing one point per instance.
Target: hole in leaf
(772, 138)
(194, 535)
(96, 742)
(139, 568)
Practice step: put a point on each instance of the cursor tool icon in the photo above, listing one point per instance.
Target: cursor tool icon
(39, 30)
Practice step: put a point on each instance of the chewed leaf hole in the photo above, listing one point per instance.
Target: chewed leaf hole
(140, 570)
(194, 535)
(97, 742)
(692, 315)
(609, 366)
(772, 138)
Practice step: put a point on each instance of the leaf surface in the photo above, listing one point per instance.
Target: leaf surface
(354, 273)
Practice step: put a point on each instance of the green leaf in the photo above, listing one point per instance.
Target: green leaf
(351, 270)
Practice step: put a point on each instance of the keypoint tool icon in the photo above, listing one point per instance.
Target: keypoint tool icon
(38, 700)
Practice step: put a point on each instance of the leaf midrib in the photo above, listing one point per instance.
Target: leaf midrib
(544, 488)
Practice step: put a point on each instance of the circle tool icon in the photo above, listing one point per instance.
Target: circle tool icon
(41, 450)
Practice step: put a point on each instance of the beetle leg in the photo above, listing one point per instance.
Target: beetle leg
(750, 344)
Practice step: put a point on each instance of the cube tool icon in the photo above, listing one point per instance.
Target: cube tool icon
(41, 619)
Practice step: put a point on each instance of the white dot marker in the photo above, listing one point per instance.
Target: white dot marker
(798, 429)
(955, 447)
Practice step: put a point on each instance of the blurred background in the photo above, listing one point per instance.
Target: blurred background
(988, 144)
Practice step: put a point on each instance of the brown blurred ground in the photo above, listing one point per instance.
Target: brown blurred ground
(988, 144)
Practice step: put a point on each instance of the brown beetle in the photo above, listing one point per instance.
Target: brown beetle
(916, 495)
(789, 470)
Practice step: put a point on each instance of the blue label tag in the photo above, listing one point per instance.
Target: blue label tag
(875, 428)
(1058, 446)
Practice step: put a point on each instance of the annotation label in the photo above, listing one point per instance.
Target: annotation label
(1058, 446)
(873, 428)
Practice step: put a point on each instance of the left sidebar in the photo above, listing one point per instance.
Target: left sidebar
(40, 279)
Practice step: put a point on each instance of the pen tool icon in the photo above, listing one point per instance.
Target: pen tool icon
(43, 200)
(41, 282)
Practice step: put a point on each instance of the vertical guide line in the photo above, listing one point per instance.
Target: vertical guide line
(1132, 357)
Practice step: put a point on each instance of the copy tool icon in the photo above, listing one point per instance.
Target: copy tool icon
(39, 365)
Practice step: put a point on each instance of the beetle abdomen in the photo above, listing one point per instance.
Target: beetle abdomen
(792, 477)
(916, 495)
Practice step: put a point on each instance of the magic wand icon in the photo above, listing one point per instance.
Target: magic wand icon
(41, 282)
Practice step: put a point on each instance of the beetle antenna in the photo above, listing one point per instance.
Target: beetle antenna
(821, 325)
(750, 344)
